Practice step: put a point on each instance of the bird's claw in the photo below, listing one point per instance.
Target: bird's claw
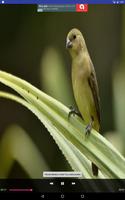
(73, 112)
(89, 127)
(88, 130)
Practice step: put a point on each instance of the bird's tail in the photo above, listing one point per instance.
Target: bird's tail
(94, 169)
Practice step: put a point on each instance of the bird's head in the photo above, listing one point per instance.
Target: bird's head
(75, 42)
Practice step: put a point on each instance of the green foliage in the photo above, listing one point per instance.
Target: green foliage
(54, 76)
(68, 134)
(16, 145)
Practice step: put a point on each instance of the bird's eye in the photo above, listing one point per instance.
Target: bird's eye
(74, 37)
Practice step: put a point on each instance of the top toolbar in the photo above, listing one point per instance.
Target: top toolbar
(62, 2)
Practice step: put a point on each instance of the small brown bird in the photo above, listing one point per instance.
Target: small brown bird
(84, 83)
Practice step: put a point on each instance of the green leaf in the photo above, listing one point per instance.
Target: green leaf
(76, 161)
(16, 145)
(54, 116)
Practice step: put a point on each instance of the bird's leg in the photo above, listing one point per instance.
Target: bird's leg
(89, 127)
(73, 112)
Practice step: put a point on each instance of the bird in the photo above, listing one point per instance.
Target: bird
(84, 82)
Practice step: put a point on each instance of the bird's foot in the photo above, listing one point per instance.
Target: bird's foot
(73, 112)
(89, 127)
(88, 130)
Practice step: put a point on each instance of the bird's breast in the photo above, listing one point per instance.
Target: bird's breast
(83, 95)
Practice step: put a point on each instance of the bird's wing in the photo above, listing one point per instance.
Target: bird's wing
(95, 91)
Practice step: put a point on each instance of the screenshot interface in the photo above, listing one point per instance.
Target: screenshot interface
(62, 99)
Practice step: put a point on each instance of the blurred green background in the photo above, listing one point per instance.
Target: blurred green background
(32, 46)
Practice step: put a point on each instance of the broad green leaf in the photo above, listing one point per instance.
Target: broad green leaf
(77, 161)
(55, 116)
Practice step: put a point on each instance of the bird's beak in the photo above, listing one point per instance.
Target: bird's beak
(68, 44)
